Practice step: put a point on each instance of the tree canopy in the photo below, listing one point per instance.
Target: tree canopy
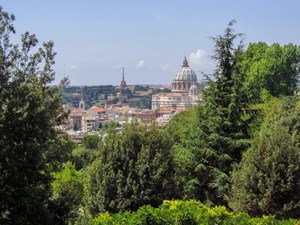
(270, 70)
(267, 180)
(29, 111)
(134, 168)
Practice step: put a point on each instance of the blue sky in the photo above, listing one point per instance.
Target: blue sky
(94, 39)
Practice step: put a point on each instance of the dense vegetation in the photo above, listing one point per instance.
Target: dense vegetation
(185, 213)
(99, 95)
(30, 110)
(91, 95)
(272, 164)
(134, 168)
(240, 149)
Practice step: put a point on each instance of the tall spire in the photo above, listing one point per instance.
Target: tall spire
(185, 62)
(123, 82)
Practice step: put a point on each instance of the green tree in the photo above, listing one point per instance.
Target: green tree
(267, 180)
(184, 130)
(91, 141)
(67, 194)
(270, 71)
(83, 157)
(59, 151)
(223, 130)
(221, 136)
(135, 168)
(29, 111)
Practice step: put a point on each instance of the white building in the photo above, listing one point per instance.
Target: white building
(184, 91)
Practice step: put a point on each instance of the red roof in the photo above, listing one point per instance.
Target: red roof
(98, 109)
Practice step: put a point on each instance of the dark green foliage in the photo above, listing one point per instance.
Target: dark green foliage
(184, 130)
(184, 213)
(59, 151)
(72, 94)
(222, 130)
(165, 90)
(135, 167)
(215, 140)
(29, 111)
(83, 157)
(141, 102)
(141, 88)
(91, 141)
(270, 71)
(268, 178)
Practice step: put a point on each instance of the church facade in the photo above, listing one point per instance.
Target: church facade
(184, 91)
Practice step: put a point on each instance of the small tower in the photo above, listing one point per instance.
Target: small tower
(81, 102)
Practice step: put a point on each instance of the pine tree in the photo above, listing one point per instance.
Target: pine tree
(221, 136)
(221, 119)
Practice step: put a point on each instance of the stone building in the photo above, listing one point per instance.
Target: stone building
(184, 91)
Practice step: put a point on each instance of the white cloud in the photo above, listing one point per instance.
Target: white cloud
(140, 65)
(199, 57)
(201, 62)
(71, 66)
(164, 67)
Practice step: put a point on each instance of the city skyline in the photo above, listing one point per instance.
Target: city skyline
(95, 39)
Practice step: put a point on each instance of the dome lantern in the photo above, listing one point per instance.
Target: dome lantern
(185, 63)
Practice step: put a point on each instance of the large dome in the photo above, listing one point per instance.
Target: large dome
(185, 73)
(184, 78)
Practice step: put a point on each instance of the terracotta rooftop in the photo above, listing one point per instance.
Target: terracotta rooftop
(98, 109)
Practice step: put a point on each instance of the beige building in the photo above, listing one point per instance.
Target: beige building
(75, 119)
(88, 123)
(184, 91)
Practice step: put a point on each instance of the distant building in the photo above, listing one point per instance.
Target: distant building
(184, 91)
(96, 111)
(88, 123)
(75, 119)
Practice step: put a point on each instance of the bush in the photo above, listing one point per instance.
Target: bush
(185, 213)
